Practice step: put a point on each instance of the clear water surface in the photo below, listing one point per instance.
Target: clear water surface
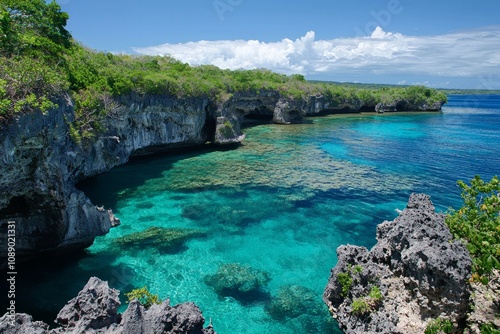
(281, 203)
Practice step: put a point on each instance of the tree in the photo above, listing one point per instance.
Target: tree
(33, 28)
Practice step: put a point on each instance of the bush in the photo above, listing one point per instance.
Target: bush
(477, 224)
(145, 298)
(439, 325)
(345, 281)
(360, 306)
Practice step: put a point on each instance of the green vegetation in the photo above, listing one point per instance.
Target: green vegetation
(40, 62)
(345, 281)
(367, 304)
(360, 306)
(477, 224)
(439, 325)
(146, 298)
(375, 293)
(489, 329)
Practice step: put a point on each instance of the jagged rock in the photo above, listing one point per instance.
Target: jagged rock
(383, 107)
(95, 307)
(485, 304)
(95, 310)
(22, 324)
(235, 280)
(421, 272)
(41, 164)
(227, 131)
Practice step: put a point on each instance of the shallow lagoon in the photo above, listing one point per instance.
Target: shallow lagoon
(281, 203)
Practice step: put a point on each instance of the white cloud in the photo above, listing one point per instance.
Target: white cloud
(472, 53)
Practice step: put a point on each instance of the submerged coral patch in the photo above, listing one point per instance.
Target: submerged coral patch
(242, 282)
(166, 240)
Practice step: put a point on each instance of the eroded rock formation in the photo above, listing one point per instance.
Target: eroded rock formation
(422, 274)
(41, 163)
(95, 310)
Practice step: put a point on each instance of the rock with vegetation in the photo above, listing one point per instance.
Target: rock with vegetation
(95, 310)
(166, 240)
(415, 274)
(242, 282)
(68, 113)
(485, 306)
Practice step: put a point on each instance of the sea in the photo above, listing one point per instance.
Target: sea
(280, 203)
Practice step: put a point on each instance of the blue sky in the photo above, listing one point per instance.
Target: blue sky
(440, 43)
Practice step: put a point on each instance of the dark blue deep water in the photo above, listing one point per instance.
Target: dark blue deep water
(281, 203)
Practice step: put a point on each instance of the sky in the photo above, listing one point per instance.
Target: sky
(438, 43)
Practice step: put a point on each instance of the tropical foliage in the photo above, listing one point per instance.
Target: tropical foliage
(477, 223)
(145, 298)
(39, 61)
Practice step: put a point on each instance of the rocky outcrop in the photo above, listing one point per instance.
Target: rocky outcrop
(421, 273)
(95, 310)
(404, 105)
(40, 163)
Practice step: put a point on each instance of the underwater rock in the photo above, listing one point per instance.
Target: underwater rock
(293, 301)
(421, 272)
(244, 283)
(164, 239)
(95, 310)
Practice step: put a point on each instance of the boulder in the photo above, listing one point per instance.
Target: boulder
(95, 310)
(421, 272)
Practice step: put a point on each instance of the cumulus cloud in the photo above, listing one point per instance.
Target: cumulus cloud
(470, 53)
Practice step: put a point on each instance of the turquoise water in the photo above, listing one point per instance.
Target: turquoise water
(282, 203)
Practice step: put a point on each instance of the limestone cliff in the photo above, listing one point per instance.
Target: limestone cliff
(422, 274)
(40, 163)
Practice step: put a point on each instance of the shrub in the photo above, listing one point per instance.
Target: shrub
(375, 293)
(360, 306)
(477, 224)
(345, 281)
(146, 298)
(439, 325)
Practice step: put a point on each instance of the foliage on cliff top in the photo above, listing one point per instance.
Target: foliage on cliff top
(477, 223)
(39, 61)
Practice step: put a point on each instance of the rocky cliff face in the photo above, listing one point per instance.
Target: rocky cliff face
(95, 310)
(421, 274)
(40, 163)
